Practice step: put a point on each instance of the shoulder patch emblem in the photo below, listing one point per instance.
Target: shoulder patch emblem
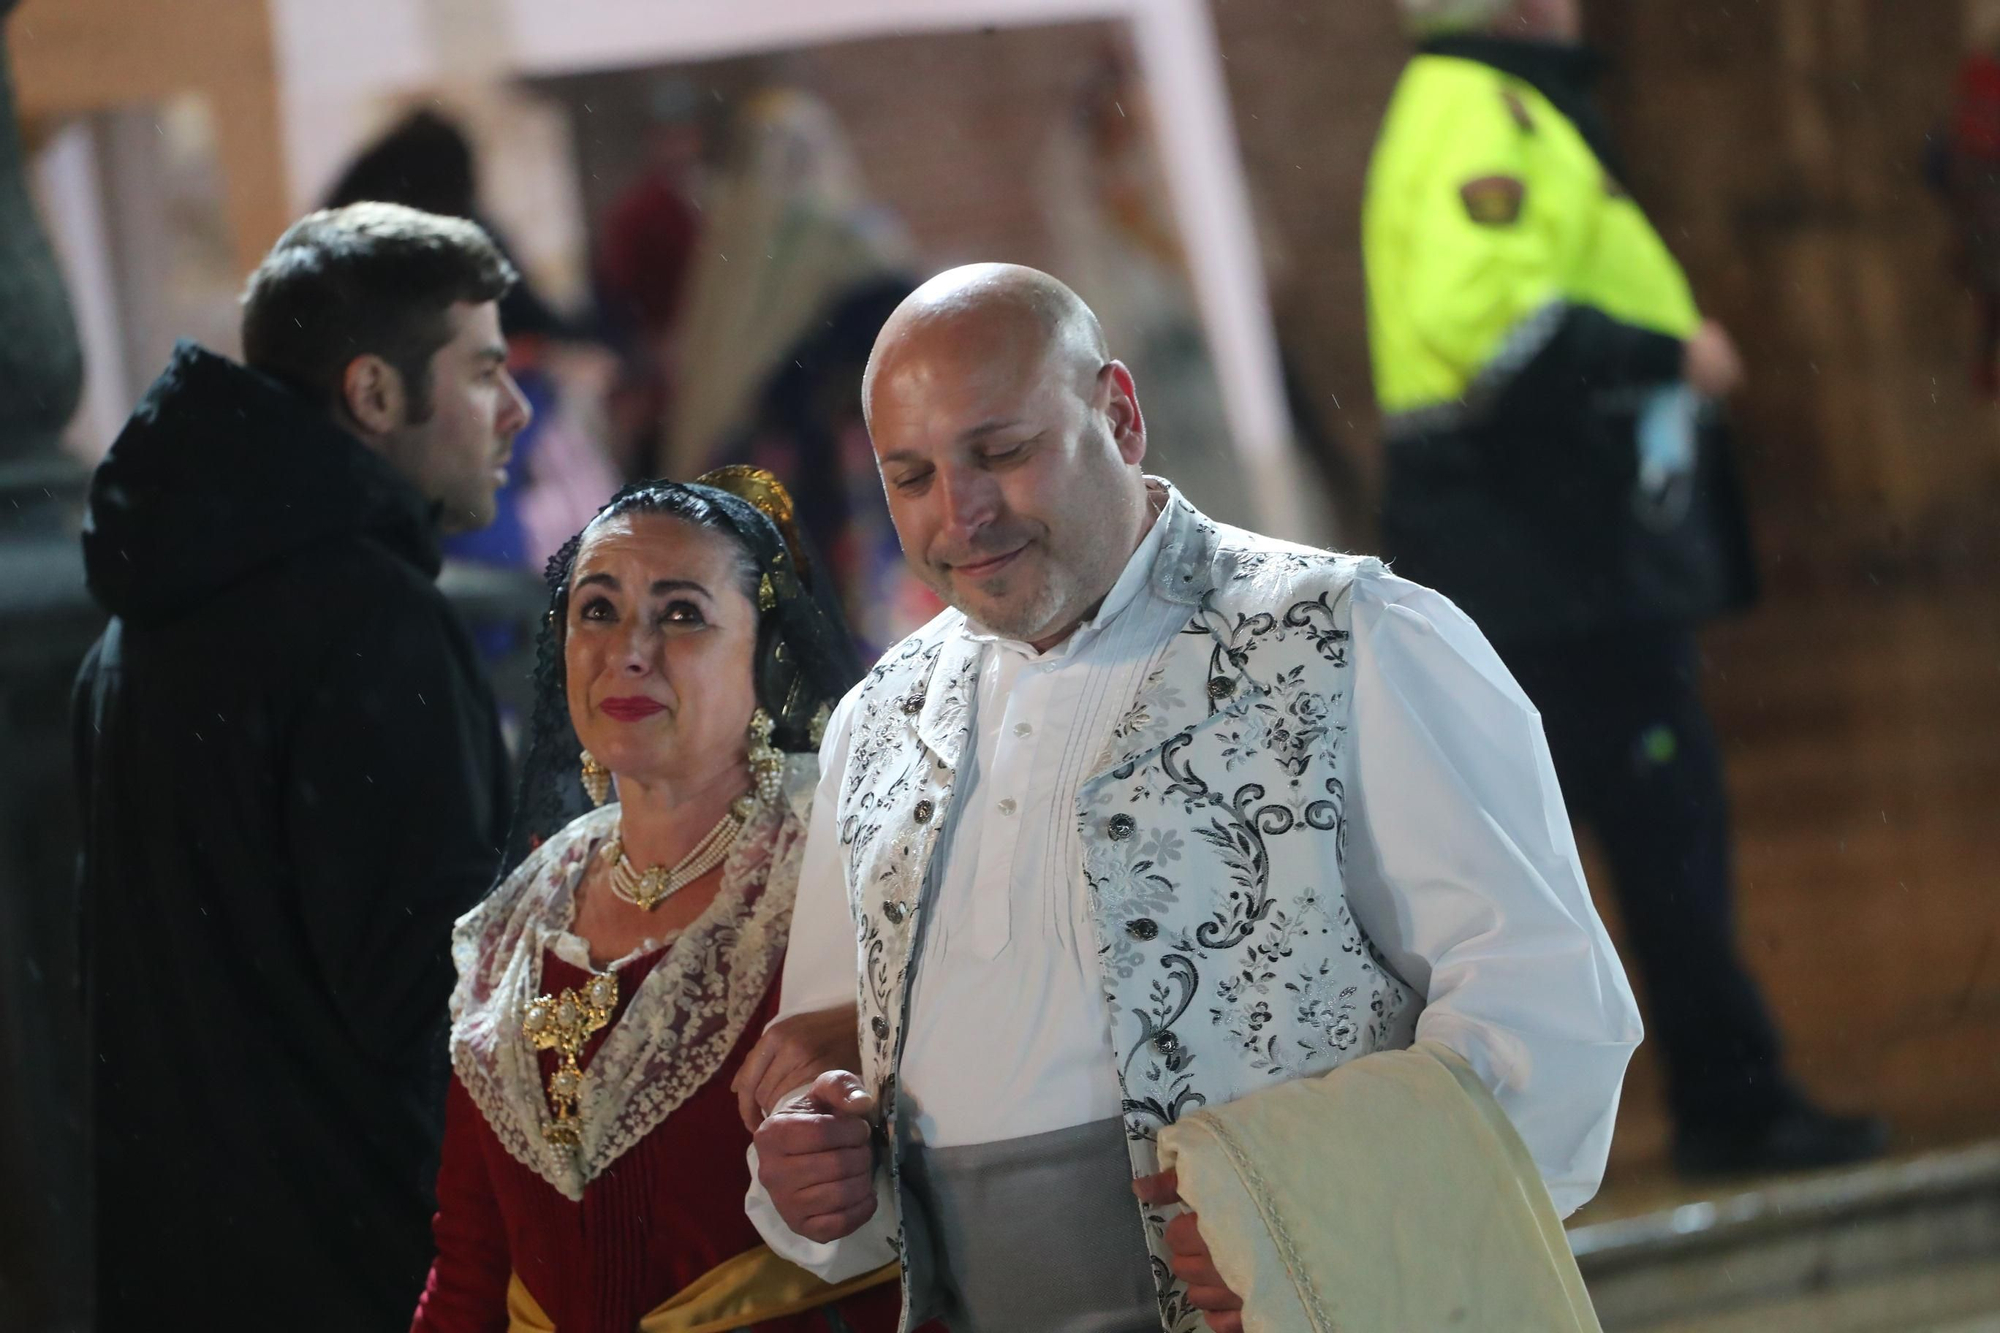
(1518, 109)
(1494, 201)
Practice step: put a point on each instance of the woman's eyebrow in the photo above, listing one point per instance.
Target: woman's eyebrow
(660, 588)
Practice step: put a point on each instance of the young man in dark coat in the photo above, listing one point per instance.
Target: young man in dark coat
(292, 779)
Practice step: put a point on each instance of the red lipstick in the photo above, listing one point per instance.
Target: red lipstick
(630, 708)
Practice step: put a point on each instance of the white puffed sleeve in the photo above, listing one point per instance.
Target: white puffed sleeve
(820, 962)
(1462, 868)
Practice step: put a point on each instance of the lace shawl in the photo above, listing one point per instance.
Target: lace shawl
(683, 1021)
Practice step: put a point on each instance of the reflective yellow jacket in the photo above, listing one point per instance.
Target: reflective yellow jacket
(1488, 219)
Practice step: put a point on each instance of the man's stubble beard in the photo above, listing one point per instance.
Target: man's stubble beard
(1037, 617)
(1058, 603)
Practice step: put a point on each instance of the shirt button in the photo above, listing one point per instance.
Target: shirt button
(895, 913)
(1119, 826)
(1007, 806)
(1221, 687)
(1143, 928)
(922, 814)
(879, 1025)
(1023, 729)
(1166, 1044)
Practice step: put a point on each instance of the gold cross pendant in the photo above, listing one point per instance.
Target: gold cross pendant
(563, 1023)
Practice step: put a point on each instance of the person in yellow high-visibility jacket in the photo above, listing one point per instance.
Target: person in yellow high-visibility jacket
(1554, 463)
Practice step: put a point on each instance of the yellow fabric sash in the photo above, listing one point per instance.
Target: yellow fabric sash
(754, 1286)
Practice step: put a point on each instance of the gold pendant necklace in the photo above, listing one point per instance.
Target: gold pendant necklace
(563, 1023)
(647, 889)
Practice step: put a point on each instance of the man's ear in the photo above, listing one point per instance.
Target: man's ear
(1128, 423)
(372, 395)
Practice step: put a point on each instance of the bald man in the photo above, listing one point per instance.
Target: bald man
(1159, 814)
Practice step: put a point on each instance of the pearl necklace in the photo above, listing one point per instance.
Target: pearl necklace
(647, 889)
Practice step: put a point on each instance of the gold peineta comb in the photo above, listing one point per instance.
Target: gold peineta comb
(764, 492)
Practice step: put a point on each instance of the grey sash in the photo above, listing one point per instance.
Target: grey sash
(1037, 1233)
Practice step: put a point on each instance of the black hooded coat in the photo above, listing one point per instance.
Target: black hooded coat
(293, 782)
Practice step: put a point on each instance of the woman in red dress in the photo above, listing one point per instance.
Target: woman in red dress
(593, 1172)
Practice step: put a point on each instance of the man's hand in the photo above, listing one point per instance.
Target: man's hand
(792, 1053)
(816, 1158)
(1191, 1261)
(1712, 365)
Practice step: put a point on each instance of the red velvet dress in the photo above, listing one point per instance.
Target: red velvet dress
(664, 1213)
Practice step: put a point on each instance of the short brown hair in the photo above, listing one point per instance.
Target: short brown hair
(369, 278)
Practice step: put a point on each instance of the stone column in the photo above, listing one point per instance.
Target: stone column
(45, 620)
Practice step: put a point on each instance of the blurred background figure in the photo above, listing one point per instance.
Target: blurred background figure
(645, 250)
(425, 161)
(1549, 392)
(797, 268)
(806, 426)
(646, 243)
(791, 229)
(1969, 176)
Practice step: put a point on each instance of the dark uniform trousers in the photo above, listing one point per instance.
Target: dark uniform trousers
(1640, 767)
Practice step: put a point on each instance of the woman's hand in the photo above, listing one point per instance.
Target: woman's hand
(791, 1054)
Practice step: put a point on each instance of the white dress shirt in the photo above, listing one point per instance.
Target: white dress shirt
(1010, 939)
(1461, 867)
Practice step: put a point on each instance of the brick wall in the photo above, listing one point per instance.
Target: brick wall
(1779, 146)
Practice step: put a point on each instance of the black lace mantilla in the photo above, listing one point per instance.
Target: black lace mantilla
(805, 656)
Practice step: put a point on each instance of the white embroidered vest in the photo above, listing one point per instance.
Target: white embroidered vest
(1230, 967)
